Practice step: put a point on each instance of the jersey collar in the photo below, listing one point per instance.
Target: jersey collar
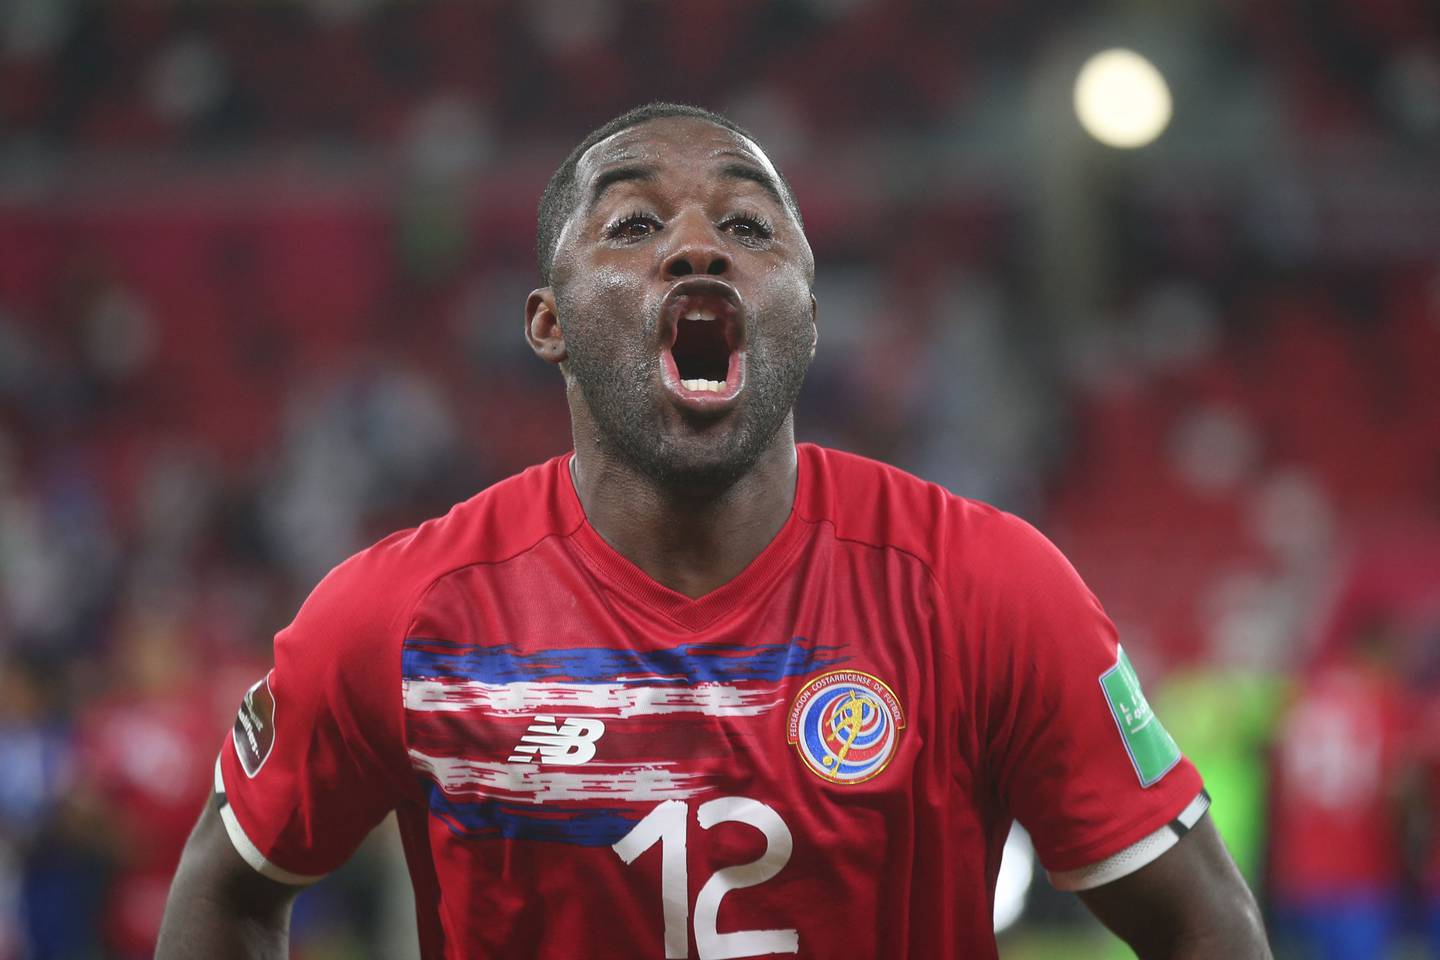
(700, 612)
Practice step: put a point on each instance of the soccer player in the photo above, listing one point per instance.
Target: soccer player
(1336, 853)
(694, 690)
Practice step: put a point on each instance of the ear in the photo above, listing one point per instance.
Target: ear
(542, 326)
(814, 325)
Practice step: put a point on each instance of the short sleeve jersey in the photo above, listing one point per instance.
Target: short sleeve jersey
(820, 758)
(1341, 748)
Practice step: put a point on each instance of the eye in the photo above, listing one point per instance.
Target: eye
(748, 228)
(632, 227)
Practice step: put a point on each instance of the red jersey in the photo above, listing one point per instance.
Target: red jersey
(1335, 829)
(147, 760)
(1427, 756)
(820, 758)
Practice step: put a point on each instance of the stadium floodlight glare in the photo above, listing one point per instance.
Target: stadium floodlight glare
(1122, 100)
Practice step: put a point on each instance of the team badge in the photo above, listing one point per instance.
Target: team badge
(845, 724)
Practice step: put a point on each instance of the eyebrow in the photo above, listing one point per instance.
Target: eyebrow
(640, 172)
(614, 175)
(746, 171)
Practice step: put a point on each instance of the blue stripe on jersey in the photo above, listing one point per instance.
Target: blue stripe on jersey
(690, 663)
(494, 820)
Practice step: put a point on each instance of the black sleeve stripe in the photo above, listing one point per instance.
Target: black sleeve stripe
(1180, 826)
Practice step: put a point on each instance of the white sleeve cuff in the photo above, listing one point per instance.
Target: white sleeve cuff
(1135, 856)
(248, 851)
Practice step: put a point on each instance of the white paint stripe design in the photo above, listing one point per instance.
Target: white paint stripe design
(602, 699)
(525, 783)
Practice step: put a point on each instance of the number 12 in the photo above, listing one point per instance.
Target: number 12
(667, 824)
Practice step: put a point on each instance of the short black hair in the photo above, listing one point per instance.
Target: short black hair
(559, 199)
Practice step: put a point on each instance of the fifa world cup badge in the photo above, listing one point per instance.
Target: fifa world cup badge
(254, 730)
(1152, 750)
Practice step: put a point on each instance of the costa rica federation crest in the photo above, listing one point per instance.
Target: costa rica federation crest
(845, 725)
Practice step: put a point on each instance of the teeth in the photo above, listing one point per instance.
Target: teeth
(700, 314)
(710, 386)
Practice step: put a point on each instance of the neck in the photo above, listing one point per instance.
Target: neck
(691, 543)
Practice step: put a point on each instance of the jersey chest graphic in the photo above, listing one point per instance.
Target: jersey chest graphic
(576, 745)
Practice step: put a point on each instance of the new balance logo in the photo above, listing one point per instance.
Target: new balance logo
(567, 744)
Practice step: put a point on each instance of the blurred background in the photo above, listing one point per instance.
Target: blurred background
(262, 268)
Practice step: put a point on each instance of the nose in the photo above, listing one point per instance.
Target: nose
(694, 249)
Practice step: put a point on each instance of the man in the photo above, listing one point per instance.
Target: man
(694, 691)
(1337, 860)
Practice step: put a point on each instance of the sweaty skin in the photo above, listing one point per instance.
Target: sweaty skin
(689, 498)
(690, 492)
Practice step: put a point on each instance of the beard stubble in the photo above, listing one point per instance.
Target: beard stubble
(618, 380)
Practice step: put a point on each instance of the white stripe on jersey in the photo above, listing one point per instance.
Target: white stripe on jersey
(599, 699)
(529, 784)
(1135, 856)
(248, 851)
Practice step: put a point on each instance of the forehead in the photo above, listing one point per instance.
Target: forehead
(672, 141)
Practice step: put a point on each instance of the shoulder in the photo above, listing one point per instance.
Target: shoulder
(966, 543)
(495, 524)
(373, 593)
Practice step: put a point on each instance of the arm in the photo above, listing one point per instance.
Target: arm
(219, 906)
(1082, 761)
(1190, 902)
(310, 766)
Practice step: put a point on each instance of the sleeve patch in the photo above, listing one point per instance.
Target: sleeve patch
(1152, 750)
(254, 730)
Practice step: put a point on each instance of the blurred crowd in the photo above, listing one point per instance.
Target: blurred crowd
(261, 276)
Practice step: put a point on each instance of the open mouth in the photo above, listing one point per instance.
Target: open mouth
(705, 360)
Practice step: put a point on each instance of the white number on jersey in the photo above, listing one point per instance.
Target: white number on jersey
(667, 824)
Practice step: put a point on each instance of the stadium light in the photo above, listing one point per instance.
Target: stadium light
(1122, 100)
